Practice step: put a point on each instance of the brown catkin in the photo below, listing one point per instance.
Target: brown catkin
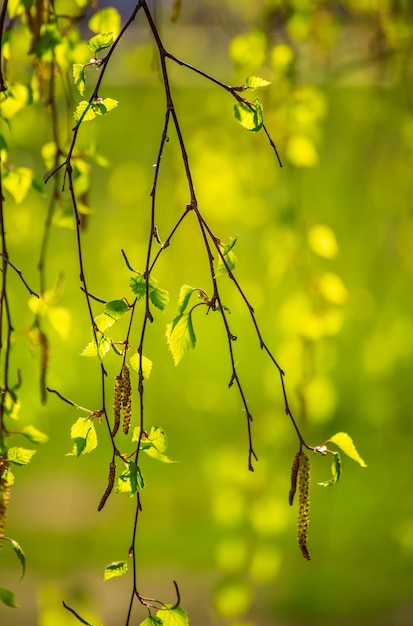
(126, 399)
(294, 473)
(111, 482)
(304, 503)
(44, 361)
(117, 404)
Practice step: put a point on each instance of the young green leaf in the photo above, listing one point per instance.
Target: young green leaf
(18, 182)
(34, 435)
(155, 454)
(20, 555)
(104, 345)
(173, 616)
(117, 568)
(100, 42)
(159, 297)
(335, 471)
(7, 597)
(20, 456)
(345, 443)
(185, 294)
(158, 438)
(249, 115)
(180, 336)
(229, 257)
(116, 309)
(79, 77)
(131, 480)
(254, 82)
(146, 364)
(152, 621)
(106, 20)
(84, 112)
(83, 433)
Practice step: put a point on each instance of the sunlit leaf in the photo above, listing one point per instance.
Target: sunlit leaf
(106, 20)
(229, 257)
(173, 616)
(34, 435)
(79, 77)
(8, 476)
(185, 294)
(158, 438)
(20, 456)
(180, 336)
(254, 82)
(116, 308)
(8, 598)
(152, 621)
(159, 297)
(104, 346)
(100, 42)
(335, 471)
(345, 443)
(146, 364)
(18, 96)
(84, 112)
(83, 433)
(249, 115)
(117, 568)
(18, 182)
(155, 454)
(104, 321)
(20, 554)
(131, 480)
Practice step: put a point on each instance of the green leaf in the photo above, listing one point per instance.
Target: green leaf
(8, 477)
(335, 471)
(249, 115)
(180, 336)
(146, 364)
(34, 435)
(7, 597)
(159, 297)
(229, 257)
(253, 82)
(117, 568)
(84, 112)
(152, 621)
(83, 433)
(20, 555)
(104, 321)
(105, 21)
(116, 308)
(20, 456)
(345, 443)
(79, 77)
(104, 344)
(103, 106)
(158, 438)
(184, 296)
(100, 42)
(155, 454)
(173, 616)
(131, 480)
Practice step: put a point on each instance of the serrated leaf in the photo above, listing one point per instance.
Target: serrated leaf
(84, 435)
(185, 294)
(20, 456)
(104, 321)
(345, 443)
(100, 42)
(146, 364)
(158, 438)
(229, 257)
(116, 308)
(159, 297)
(131, 480)
(249, 115)
(8, 598)
(84, 112)
(155, 454)
(173, 616)
(109, 104)
(117, 568)
(104, 345)
(34, 435)
(254, 82)
(79, 77)
(152, 621)
(335, 471)
(7, 477)
(180, 336)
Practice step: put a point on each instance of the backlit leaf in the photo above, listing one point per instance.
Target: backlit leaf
(34, 435)
(117, 568)
(151, 621)
(20, 456)
(18, 182)
(173, 616)
(229, 257)
(20, 555)
(254, 82)
(345, 443)
(106, 20)
(335, 471)
(146, 364)
(79, 77)
(100, 42)
(159, 297)
(84, 112)
(116, 308)
(180, 336)
(185, 294)
(131, 480)
(83, 433)
(155, 454)
(249, 115)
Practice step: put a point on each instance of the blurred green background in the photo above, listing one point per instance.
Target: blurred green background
(324, 255)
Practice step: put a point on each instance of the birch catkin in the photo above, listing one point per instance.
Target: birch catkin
(126, 399)
(4, 504)
(117, 404)
(304, 503)
(294, 474)
(111, 482)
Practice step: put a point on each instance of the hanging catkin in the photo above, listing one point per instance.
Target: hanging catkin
(126, 399)
(304, 503)
(294, 473)
(117, 404)
(111, 482)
